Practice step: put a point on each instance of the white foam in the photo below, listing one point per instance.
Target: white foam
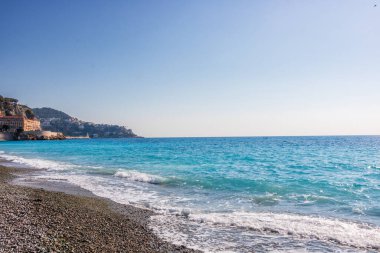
(36, 163)
(121, 192)
(310, 227)
(140, 177)
(272, 232)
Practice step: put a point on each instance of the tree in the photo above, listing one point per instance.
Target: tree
(19, 130)
(29, 114)
(5, 128)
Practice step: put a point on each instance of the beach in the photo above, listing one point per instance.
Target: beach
(39, 220)
(251, 194)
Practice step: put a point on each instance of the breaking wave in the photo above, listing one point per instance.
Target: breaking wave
(286, 227)
(133, 175)
(36, 162)
(329, 229)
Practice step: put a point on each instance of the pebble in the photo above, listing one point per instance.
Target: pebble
(35, 220)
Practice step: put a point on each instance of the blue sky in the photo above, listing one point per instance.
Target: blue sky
(198, 68)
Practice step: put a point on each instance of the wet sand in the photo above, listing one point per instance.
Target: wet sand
(65, 218)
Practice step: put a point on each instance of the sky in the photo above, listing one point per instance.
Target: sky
(198, 68)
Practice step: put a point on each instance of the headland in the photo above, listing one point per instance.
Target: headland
(20, 122)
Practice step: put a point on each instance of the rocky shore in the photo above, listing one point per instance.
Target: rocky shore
(37, 220)
(31, 136)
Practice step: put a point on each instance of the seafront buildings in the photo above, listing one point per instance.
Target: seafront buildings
(18, 123)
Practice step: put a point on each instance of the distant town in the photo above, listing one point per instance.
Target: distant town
(19, 122)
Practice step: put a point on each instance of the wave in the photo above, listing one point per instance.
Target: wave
(266, 200)
(107, 187)
(133, 175)
(349, 233)
(36, 162)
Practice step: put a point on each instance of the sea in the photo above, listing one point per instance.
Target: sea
(245, 194)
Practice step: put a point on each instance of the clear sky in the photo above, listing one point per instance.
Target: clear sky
(200, 67)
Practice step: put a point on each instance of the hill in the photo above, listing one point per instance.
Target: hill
(47, 113)
(58, 121)
(11, 107)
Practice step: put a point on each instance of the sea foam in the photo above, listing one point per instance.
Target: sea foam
(282, 225)
(303, 226)
(36, 162)
(133, 175)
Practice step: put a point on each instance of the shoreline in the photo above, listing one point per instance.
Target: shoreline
(207, 206)
(60, 217)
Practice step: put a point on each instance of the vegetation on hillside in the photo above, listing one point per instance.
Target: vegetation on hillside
(10, 107)
(57, 121)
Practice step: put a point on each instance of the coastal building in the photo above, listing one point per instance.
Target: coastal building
(14, 123)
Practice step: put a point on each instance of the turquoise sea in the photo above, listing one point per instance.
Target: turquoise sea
(248, 194)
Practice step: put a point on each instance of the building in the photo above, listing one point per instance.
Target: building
(31, 124)
(14, 123)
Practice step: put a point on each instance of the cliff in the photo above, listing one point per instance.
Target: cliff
(57, 121)
(10, 107)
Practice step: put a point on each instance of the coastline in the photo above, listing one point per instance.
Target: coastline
(222, 211)
(64, 218)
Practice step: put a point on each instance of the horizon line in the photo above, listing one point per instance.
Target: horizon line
(265, 136)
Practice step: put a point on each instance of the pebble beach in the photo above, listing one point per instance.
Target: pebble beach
(38, 220)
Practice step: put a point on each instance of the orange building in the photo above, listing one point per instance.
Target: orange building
(13, 123)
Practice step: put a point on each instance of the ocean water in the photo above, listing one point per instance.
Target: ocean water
(256, 194)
